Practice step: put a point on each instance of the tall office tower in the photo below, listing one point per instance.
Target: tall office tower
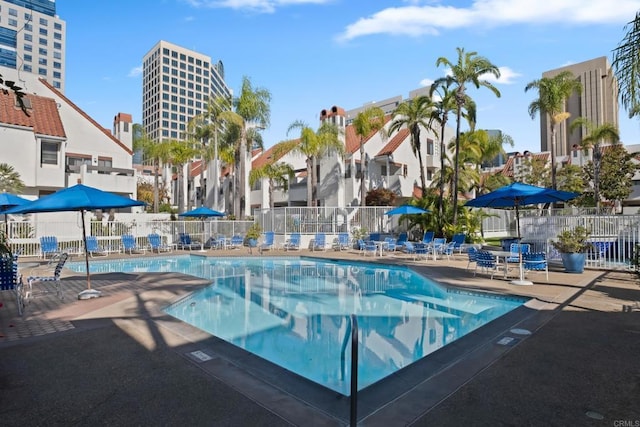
(176, 85)
(32, 39)
(598, 102)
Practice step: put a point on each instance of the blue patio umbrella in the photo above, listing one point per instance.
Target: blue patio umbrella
(8, 201)
(79, 198)
(202, 212)
(516, 195)
(407, 210)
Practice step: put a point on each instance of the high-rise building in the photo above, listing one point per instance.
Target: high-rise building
(598, 103)
(177, 83)
(32, 39)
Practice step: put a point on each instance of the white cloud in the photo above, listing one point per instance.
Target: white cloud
(414, 20)
(426, 82)
(507, 76)
(136, 71)
(261, 6)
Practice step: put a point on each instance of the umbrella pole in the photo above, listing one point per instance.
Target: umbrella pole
(87, 293)
(521, 280)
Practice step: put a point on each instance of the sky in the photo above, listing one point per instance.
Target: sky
(314, 54)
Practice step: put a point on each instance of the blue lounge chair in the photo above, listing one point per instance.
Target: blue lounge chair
(269, 236)
(428, 236)
(236, 242)
(342, 242)
(53, 277)
(293, 243)
(10, 280)
(370, 248)
(185, 242)
(402, 238)
(514, 248)
(156, 245)
(48, 246)
(472, 254)
(319, 242)
(93, 248)
(129, 244)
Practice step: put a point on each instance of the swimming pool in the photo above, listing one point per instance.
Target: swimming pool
(294, 312)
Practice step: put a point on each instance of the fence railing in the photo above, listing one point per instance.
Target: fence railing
(614, 236)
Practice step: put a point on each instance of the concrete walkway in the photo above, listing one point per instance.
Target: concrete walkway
(118, 360)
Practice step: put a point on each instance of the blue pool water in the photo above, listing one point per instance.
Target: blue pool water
(295, 312)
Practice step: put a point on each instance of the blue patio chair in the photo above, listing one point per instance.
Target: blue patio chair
(487, 262)
(293, 243)
(402, 238)
(390, 244)
(48, 246)
(535, 261)
(428, 237)
(418, 250)
(185, 242)
(342, 242)
(370, 248)
(437, 246)
(599, 253)
(93, 248)
(54, 277)
(319, 242)
(513, 248)
(10, 280)
(129, 244)
(472, 254)
(236, 242)
(458, 240)
(156, 245)
(267, 244)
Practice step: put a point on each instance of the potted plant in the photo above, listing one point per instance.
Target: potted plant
(573, 244)
(252, 235)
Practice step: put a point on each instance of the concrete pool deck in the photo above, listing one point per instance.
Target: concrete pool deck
(118, 360)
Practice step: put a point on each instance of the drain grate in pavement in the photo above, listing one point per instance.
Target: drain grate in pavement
(200, 356)
(507, 341)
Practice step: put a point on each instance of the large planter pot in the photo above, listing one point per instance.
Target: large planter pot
(252, 243)
(574, 262)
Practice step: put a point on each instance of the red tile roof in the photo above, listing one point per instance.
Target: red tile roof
(269, 157)
(43, 116)
(86, 116)
(395, 142)
(353, 140)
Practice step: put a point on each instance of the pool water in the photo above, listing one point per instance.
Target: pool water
(295, 312)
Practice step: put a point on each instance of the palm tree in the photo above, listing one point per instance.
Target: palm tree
(444, 105)
(207, 126)
(157, 152)
(252, 107)
(278, 174)
(180, 153)
(414, 114)
(469, 68)
(369, 121)
(10, 181)
(596, 135)
(313, 145)
(626, 66)
(552, 96)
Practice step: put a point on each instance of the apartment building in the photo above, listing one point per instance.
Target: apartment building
(32, 40)
(598, 103)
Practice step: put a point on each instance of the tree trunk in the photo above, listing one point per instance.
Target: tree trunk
(455, 170)
(309, 182)
(363, 170)
(442, 151)
(156, 187)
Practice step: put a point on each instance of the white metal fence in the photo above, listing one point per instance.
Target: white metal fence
(614, 236)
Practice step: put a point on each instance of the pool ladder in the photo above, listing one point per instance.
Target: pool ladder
(352, 331)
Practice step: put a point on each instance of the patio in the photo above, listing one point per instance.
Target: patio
(120, 355)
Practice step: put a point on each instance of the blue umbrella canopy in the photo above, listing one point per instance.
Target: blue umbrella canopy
(407, 210)
(8, 200)
(77, 198)
(519, 194)
(202, 212)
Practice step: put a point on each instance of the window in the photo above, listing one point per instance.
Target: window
(48, 153)
(57, 26)
(13, 12)
(28, 37)
(42, 71)
(28, 27)
(43, 22)
(42, 51)
(42, 61)
(430, 147)
(57, 45)
(28, 58)
(27, 68)
(43, 32)
(405, 171)
(13, 22)
(42, 41)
